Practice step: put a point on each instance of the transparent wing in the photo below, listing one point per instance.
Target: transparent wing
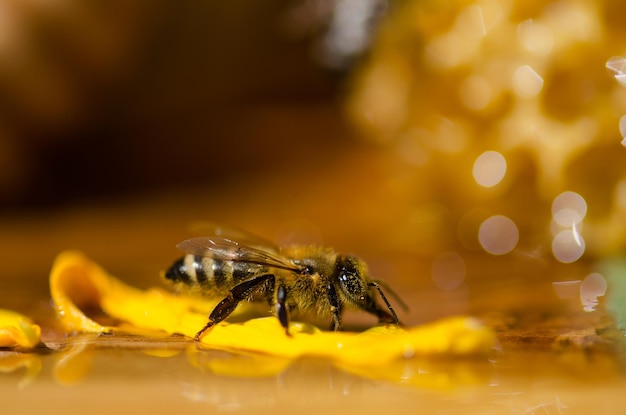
(243, 237)
(228, 250)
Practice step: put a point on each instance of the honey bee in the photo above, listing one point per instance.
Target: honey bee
(238, 266)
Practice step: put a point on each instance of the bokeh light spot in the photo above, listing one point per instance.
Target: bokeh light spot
(568, 245)
(617, 64)
(489, 168)
(569, 208)
(448, 270)
(593, 286)
(498, 235)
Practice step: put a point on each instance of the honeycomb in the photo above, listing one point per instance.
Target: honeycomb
(506, 119)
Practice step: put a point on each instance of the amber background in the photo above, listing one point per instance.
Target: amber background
(122, 124)
(104, 98)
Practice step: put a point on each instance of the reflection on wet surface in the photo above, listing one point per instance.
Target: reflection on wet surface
(98, 374)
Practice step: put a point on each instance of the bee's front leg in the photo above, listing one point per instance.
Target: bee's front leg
(335, 307)
(281, 308)
(237, 294)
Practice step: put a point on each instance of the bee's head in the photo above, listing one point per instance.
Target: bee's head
(356, 288)
(352, 279)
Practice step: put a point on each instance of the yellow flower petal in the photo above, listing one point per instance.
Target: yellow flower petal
(77, 282)
(377, 346)
(17, 330)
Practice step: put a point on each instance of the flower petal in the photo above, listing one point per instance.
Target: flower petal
(77, 282)
(17, 330)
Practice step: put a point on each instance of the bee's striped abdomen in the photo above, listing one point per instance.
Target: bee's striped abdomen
(177, 273)
(210, 274)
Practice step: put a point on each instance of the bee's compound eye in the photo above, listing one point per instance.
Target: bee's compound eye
(350, 278)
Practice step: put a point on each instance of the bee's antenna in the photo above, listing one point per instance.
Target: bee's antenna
(376, 285)
(393, 294)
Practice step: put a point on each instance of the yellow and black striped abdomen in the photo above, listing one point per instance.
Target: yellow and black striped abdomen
(211, 274)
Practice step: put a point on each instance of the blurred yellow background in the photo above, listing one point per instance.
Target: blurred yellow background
(471, 152)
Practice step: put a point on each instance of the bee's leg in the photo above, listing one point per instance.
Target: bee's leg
(281, 308)
(238, 293)
(335, 307)
(383, 315)
(386, 318)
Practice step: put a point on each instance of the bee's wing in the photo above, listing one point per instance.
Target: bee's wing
(228, 250)
(232, 233)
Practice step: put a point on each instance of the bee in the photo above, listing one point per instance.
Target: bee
(239, 266)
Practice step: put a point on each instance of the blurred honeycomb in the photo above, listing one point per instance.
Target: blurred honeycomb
(503, 118)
